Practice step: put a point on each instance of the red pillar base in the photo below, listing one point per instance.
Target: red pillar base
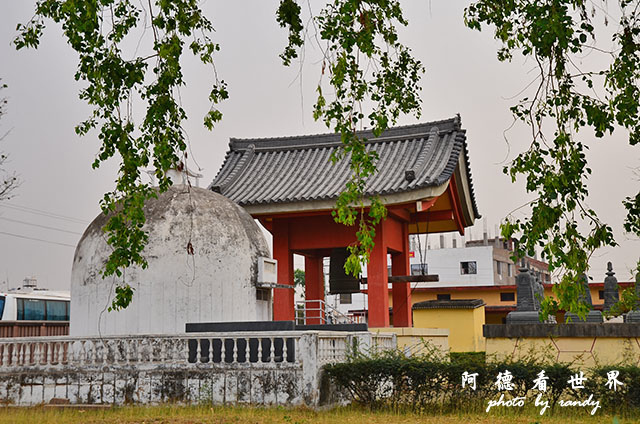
(402, 313)
(377, 282)
(283, 307)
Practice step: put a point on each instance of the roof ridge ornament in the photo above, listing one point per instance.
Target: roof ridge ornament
(457, 122)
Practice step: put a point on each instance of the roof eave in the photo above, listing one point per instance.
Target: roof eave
(330, 204)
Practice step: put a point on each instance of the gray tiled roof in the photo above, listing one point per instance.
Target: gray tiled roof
(294, 169)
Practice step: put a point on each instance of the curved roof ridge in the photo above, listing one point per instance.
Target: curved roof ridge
(303, 141)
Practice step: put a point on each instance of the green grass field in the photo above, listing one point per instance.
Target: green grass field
(220, 415)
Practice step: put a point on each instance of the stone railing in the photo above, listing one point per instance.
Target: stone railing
(248, 367)
(220, 349)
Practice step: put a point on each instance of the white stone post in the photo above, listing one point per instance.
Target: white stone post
(307, 354)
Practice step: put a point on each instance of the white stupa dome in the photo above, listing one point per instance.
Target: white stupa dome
(217, 283)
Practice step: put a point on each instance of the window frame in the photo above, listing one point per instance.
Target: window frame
(468, 268)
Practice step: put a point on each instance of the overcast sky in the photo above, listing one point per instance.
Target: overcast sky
(61, 191)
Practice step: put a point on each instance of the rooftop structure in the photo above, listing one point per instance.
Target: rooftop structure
(290, 185)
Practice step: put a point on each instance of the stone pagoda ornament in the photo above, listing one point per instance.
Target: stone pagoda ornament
(527, 306)
(611, 296)
(585, 297)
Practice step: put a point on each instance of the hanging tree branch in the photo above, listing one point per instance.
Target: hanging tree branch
(554, 32)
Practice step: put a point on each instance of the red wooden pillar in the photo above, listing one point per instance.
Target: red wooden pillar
(402, 291)
(377, 282)
(314, 289)
(283, 308)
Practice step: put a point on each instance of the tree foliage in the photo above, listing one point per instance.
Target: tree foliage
(555, 33)
(298, 278)
(99, 32)
(368, 79)
(373, 79)
(8, 180)
(359, 35)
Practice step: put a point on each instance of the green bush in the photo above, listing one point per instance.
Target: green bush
(429, 382)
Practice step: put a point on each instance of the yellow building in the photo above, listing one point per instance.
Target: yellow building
(499, 300)
(463, 318)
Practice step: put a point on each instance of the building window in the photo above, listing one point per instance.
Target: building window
(419, 269)
(443, 296)
(262, 294)
(468, 267)
(600, 294)
(507, 297)
(510, 270)
(345, 298)
(499, 267)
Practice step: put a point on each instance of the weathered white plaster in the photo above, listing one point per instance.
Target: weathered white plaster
(179, 368)
(216, 283)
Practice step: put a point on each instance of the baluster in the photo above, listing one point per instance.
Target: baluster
(49, 359)
(172, 350)
(163, 349)
(126, 350)
(234, 357)
(105, 351)
(41, 353)
(259, 350)
(150, 344)
(5, 354)
(116, 350)
(81, 352)
(284, 349)
(210, 351)
(36, 354)
(14, 354)
(185, 350)
(272, 353)
(198, 350)
(21, 354)
(60, 353)
(223, 352)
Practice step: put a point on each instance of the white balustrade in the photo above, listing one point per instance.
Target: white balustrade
(209, 350)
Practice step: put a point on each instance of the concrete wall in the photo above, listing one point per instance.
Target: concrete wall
(582, 351)
(416, 340)
(148, 385)
(585, 344)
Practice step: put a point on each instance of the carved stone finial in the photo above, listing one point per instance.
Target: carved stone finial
(611, 295)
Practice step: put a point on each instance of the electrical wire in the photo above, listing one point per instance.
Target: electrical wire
(36, 239)
(40, 226)
(44, 213)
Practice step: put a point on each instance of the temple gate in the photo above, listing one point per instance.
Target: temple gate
(290, 185)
